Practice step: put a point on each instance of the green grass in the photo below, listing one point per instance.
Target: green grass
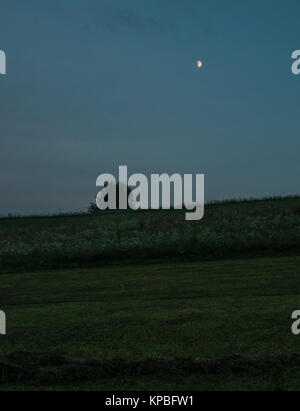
(207, 310)
(287, 380)
(230, 230)
(147, 300)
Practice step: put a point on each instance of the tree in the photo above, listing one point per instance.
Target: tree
(93, 208)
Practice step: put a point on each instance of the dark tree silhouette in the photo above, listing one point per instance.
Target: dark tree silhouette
(92, 209)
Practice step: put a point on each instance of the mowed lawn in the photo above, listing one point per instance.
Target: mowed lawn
(205, 309)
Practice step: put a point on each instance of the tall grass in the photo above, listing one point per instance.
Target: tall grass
(227, 230)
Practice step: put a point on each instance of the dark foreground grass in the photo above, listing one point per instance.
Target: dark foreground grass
(38, 370)
(287, 380)
(208, 325)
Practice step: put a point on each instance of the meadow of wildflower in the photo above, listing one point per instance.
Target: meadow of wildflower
(233, 229)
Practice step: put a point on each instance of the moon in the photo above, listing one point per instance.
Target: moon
(199, 64)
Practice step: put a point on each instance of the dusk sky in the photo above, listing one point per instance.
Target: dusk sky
(94, 84)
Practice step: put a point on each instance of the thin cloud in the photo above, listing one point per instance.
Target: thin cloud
(131, 19)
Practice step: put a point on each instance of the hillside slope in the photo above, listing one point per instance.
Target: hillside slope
(236, 229)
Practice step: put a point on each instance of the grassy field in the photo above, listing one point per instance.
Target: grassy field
(201, 325)
(230, 230)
